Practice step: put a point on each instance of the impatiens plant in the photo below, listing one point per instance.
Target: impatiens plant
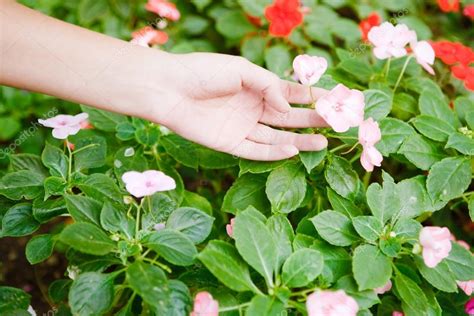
(378, 223)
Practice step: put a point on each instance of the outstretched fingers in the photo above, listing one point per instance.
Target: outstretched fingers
(296, 118)
(264, 152)
(301, 94)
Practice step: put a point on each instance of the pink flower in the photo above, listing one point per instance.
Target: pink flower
(469, 307)
(149, 36)
(159, 226)
(230, 228)
(397, 313)
(164, 9)
(147, 183)
(424, 54)
(331, 303)
(466, 286)
(389, 40)
(342, 108)
(65, 125)
(205, 305)
(308, 69)
(436, 244)
(387, 287)
(469, 11)
(369, 135)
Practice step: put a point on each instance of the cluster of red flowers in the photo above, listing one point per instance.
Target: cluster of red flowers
(365, 25)
(453, 6)
(459, 57)
(284, 16)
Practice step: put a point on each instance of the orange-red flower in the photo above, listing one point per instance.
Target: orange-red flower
(365, 25)
(469, 11)
(449, 5)
(284, 16)
(149, 36)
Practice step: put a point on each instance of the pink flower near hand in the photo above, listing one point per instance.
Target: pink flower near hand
(65, 125)
(331, 303)
(309, 69)
(230, 228)
(436, 243)
(342, 108)
(397, 313)
(389, 40)
(140, 184)
(424, 54)
(387, 287)
(164, 9)
(466, 286)
(369, 135)
(205, 305)
(149, 36)
(469, 307)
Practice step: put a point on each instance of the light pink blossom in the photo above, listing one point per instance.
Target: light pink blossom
(369, 135)
(65, 125)
(436, 243)
(424, 55)
(331, 303)
(230, 228)
(159, 226)
(381, 290)
(469, 307)
(164, 9)
(342, 108)
(205, 305)
(149, 36)
(466, 286)
(140, 184)
(389, 40)
(397, 313)
(309, 69)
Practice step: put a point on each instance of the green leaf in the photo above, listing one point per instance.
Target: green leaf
(10, 126)
(115, 220)
(407, 228)
(147, 136)
(101, 187)
(157, 210)
(341, 177)
(449, 178)
(87, 238)
(39, 248)
(55, 160)
(83, 208)
(432, 105)
(125, 131)
(44, 211)
(149, 282)
(415, 199)
(342, 205)
(19, 221)
(254, 166)
(421, 152)
(91, 10)
(462, 143)
(337, 261)
(21, 184)
(233, 24)
(54, 186)
(255, 244)
(91, 293)
(335, 228)
(383, 201)
(265, 306)
(461, 262)
(192, 199)
(254, 7)
(91, 157)
(312, 159)
(378, 104)
(380, 267)
(286, 187)
(193, 223)
(253, 48)
(463, 105)
(433, 128)
(278, 59)
(394, 132)
(12, 299)
(179, 301)
(302, 267)
(411, 294)
(365, 299)
(404, 106)
(470, 205)
(174, 246)
(283, 235)
(248, 189)
(440, 276)
(127, 159)
(58, 290)
(27, 162)
(368, 227)
(360, 70)
(223, 260)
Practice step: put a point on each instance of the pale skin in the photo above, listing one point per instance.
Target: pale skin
(223, 102)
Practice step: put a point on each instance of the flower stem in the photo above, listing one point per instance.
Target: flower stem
(339, 147)
(387, 65)
(69, 169)
(232, 308)
(83, 148)
(137, 222)
(401, 73)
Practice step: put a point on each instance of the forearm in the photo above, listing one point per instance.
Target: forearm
(42, 54)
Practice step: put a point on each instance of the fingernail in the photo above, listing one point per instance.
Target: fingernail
(320, 142)
(290, 150)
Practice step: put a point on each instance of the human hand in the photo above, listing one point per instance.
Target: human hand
(229, 104)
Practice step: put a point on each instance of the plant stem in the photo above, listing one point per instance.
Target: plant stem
(232, 308)
(339, 147)
(341, 137)
(84, 148)
(69, 168)
(137, 222)
(387, 65)
(366, 179)
(401, 73)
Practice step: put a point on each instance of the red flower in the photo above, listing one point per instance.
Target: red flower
(449, 5)
(452, 52)
(365, 25)
(460, 71)
(284, 16)
(469, 11)
(469, 81)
